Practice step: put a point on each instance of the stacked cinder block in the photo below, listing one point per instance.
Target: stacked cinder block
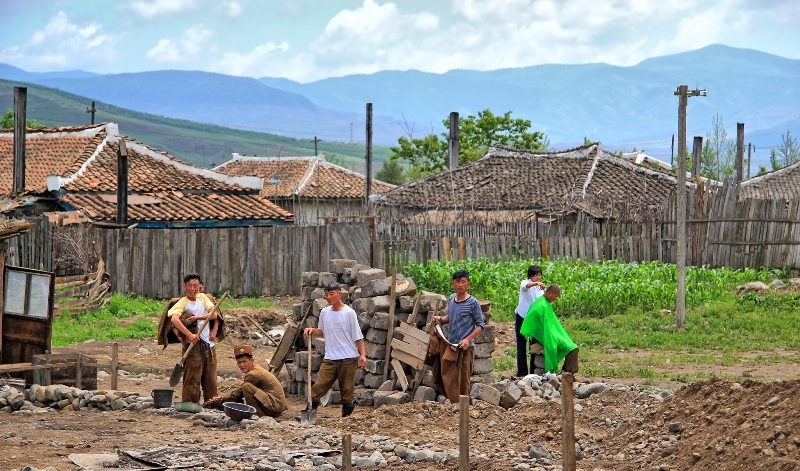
(367, 290)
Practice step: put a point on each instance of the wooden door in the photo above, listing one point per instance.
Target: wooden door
(27, 315)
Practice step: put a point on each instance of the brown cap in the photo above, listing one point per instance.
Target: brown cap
(242, 350)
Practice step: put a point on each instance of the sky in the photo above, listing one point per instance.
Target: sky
(309, 40)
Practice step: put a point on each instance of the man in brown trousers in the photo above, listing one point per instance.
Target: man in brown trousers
(260, 389)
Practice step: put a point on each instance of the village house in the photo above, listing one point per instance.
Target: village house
(311, 188)
(586, 183)
(75, 169)
(779, 184)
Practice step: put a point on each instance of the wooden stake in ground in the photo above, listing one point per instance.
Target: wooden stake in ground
(347, 448)
(568, 423)
(463, 433)
(390, 333)
(114, 365)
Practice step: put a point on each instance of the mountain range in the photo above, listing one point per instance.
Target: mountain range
(622, 107)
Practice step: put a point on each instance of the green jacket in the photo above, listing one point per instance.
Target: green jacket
(541, 324)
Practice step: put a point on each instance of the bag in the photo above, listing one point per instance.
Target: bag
(450, 354)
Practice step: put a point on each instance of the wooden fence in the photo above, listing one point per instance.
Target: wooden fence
(261, 260)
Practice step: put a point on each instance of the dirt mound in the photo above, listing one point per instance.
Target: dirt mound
(243, 322)
(719, 424)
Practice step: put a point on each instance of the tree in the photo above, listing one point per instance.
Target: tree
(7, 122)
(429, 154)
(391, 172)
(787, 153)
(718, 158)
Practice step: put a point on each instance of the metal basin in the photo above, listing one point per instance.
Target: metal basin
(237, 411)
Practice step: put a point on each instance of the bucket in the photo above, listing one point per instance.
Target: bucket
(162, 398)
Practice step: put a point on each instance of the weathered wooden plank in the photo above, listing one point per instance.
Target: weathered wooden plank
(399, 373)
(411, 331)
(408, 359)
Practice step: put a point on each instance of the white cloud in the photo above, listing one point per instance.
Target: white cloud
(153, 8)
(233, 9)
(263, 60)
(188, 46)
(62, 44)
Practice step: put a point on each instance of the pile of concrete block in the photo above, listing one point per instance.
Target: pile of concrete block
(367, 290)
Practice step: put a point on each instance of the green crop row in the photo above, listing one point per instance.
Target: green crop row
(587, 289)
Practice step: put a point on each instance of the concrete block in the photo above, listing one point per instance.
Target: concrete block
(369, 274)
(326, 277)
(338, 265)
(380, 321)
(406, 303)
(427, 301)
(405, 286)
(363, 397)
(347, 276)
(317, 293)
(373, 381)
(345, 296)
(488, 335)
(319, 345)
(297, 311)
(400, 317)
(427, 378)
(375, 366)
(311, 321)
(376, 335)
(306, 291)
(425, 394)
(510, 396)
(317, 305)
(484, 350)
(482, 366)
(378, 303)
(485, 393)
(375, 350)
(309, 278)
(364, 321)
(391, 398)
(355, 293)
(378, 287)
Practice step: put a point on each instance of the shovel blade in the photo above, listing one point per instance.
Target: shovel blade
(324, 400)
(177, 374)
(308, 416)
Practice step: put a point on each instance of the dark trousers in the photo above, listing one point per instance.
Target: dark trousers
(523, 358)
(199, 372)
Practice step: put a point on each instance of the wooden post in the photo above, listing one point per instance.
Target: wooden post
(347, 449)
(462, 248)
(454, 145)
(697, 156)
(368, 157)
(20, 128)
(463, 433)
(568, 422)
(392, 301)
(446, 249)
(739, 152)
(122, 184)
(114, 364)
(680, 301)
(78, 373)
(545, 248)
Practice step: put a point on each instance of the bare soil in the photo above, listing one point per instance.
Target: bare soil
(724, 425)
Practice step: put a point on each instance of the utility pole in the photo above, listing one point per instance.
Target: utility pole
(739, 153)
(368, 157)
(453, 144)
(315, 140)
(91, 111)
(683, 94)
(672, 154)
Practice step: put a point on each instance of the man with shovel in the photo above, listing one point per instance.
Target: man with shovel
(344, 351)
(200, 366)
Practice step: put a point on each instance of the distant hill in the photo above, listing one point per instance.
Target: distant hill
(201, 144)
(622, 107)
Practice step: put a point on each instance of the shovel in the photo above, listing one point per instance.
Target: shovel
(309, 416)
(177, 372)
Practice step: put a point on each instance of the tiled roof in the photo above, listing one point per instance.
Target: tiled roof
(305, 177)
(783, 183)
(48, 151)
(508, 179)
(160, 187)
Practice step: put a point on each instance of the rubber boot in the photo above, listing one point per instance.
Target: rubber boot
(347, 408)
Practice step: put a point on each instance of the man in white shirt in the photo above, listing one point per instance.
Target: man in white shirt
(344, 349)
(200, 367)
(529, 289)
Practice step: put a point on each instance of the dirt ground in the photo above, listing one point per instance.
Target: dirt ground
(724, 425)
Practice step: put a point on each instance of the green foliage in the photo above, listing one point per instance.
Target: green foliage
(787, 153)
(429, 154)
(124, 317)
(391, 172)
(7, 122)
(595, 290)
(718, 158)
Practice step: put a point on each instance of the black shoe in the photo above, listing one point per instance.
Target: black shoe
(314, 406)
(347, 408)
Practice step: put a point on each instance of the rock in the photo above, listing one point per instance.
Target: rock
(369, 274)
(486, 393)
(376, 336)
(675, 427)
(586, 390)
(794, 281)
(377, 303)
(390, 398)
(510, 396)
(375, 366)
(775, 400)
(776, 284)
(364, 321)
(373, 381)
(484, 350)
(375, 350)
(425, 394)
(482, 366)
(338, 265)
(326, 277)
(309, 278)
(537, 451)
(378, 287)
